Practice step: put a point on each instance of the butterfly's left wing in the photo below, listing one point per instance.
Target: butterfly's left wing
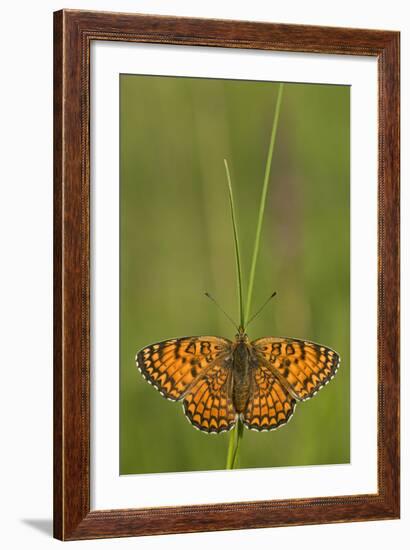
(302, 367)
(173, 366)
(208, 403)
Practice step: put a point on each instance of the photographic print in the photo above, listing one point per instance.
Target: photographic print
(234, 274)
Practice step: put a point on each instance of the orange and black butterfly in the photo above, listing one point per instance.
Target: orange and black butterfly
(219, 381)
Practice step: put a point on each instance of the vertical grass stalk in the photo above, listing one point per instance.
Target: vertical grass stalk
(237, 249)
(237, 432)
(235, 438)
(262, 205)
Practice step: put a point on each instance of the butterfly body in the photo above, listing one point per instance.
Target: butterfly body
(241, 374)
(219, 380)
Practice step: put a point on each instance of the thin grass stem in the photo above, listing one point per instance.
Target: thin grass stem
(263, 204)
(236, 434)
(237, 249)
(239, 429)
(231, 448)
(235, 439)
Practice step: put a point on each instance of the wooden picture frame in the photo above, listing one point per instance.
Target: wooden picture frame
(74, 32)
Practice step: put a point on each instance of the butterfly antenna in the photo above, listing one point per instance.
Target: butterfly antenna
(260, 309)
(223, 311)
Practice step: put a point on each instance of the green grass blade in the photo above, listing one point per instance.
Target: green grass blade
(231, 449)
(239, 428)
(263, 204)
(237, 249)
(237, 432)
(235, 438)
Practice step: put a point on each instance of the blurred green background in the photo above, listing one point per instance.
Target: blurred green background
(176, 242)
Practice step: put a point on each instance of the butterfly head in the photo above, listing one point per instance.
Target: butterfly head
(241, 335)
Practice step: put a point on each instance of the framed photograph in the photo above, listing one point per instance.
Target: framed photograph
(226, 227)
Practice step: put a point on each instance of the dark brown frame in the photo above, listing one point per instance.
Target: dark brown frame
(73, 33)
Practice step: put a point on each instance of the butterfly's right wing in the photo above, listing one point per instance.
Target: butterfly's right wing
(303, 367)
(173, 366)
(270, 405)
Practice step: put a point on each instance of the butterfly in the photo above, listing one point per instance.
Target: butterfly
(219, 381)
